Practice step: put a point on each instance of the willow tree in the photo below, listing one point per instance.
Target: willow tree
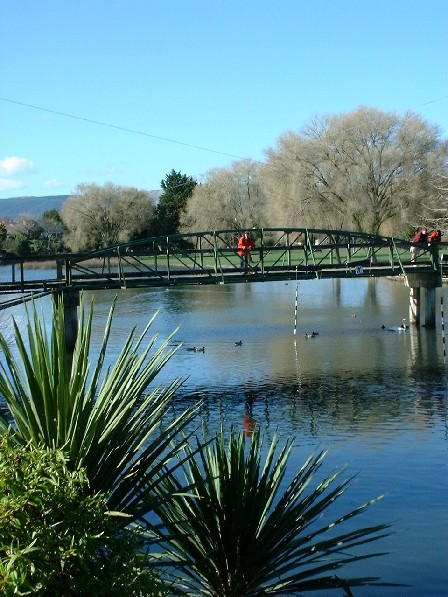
(100, 216)
(229, 198)
(436, 214)
(364, 170)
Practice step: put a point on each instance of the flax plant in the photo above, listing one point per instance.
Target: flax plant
(113, 421)
(241, 533)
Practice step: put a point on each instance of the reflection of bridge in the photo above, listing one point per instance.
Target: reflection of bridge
(211, 258)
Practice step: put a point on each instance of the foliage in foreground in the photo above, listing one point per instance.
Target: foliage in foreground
(244, 534)
(111, 423)
(229, 526)
(58, 539)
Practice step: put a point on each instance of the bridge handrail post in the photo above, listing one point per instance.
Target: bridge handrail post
(349, 249)
(59, 263)
(215, 253)
(68, 271)
(21, 275)
(168, 275)
(391, 255)
(155, 248)
(289, 249)
(200, 252)
(262, 250)
(310, 245)
(120, 268)
(398, 255)
(216, 258)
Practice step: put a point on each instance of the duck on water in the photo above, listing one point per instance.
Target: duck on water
(397, 328)
(312, 335)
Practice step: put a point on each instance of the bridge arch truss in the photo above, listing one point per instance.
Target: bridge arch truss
(211, 258)
(279, 253)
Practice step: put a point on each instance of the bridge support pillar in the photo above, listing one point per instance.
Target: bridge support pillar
(429, 281)
(414, 305)
(430, 307)
(70, 301)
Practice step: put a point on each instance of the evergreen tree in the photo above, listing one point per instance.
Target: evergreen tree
(177, 189)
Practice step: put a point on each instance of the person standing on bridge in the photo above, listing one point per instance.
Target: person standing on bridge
(245, 246)
(420, 237)
(434, 237)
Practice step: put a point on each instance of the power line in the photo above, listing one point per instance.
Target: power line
(145, 134)
(438, 99)
(120, 128)
(150, 135)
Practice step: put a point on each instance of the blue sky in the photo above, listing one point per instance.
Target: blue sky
(191, 85)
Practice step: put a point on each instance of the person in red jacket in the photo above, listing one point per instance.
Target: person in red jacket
(245, 246)
(420, 237)
(435, 236)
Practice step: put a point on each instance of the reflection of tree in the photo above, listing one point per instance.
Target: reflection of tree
(372, 405)
(337, 291)
(371, 298)
(424, 349)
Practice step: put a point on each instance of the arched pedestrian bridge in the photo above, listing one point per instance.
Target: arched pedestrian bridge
(211, 258)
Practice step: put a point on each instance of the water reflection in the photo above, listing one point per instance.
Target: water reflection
(376, 399)
(372, 406)
(249, 422)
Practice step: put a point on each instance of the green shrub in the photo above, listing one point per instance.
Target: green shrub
(114, 423)
(56, 538)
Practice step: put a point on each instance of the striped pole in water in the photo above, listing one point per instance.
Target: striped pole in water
(443, 330)
(296, 305)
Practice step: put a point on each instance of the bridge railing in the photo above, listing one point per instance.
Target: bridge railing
(211, 257)
(214, 254)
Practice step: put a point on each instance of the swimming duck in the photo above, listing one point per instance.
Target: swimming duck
(312, 335)
(239, 343)
(399, 328)
(200, 349)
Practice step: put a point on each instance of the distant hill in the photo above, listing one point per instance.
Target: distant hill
(13, 207)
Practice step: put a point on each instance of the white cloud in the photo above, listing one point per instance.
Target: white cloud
(54, 183)
(9, 185)
(14, 165)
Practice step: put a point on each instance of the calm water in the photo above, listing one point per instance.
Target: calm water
(375, 399)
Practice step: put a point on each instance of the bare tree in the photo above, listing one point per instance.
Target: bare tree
(361, 170)
(26, 226)
(436, 215)
(100, 216)
(229, 198)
